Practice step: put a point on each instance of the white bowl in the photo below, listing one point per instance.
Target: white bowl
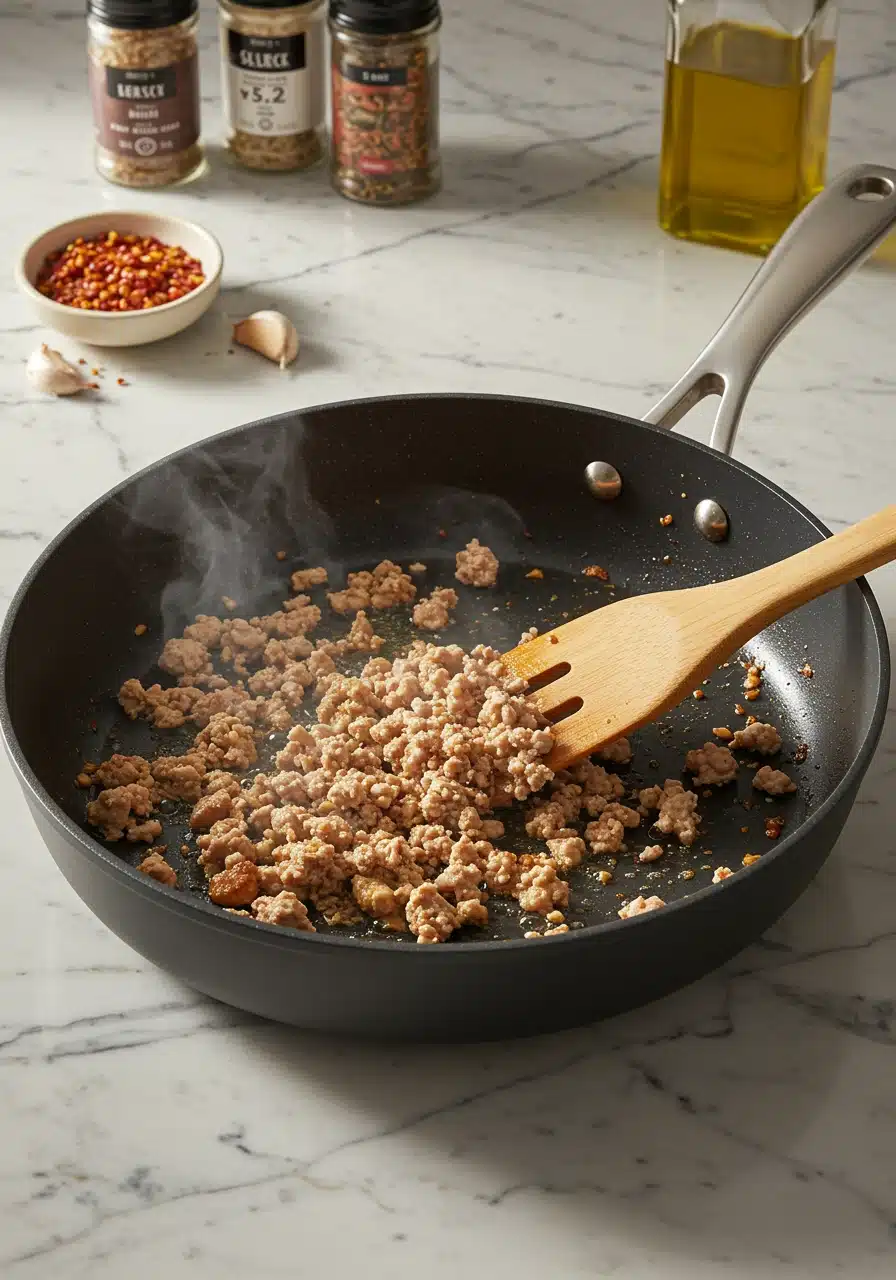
(123, 328)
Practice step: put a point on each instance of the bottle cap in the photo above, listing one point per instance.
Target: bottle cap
(276, 4)
(141, 15)
(383, 17)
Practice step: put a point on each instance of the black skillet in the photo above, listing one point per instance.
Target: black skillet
(413, 478)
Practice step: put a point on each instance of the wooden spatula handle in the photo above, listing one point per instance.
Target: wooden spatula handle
(770, 593)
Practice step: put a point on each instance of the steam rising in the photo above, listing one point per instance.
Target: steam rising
(229, 505)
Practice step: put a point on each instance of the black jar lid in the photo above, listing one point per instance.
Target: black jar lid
(275, 4)
(141, 15)
(383, 17)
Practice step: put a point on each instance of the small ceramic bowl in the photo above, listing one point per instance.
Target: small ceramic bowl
(123, 328)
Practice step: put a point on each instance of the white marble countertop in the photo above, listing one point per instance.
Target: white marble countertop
(744, 1128)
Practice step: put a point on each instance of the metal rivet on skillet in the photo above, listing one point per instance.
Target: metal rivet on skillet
(604, 481)
(711, 520)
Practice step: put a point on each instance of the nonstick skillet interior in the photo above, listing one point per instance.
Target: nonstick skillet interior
(413, 479)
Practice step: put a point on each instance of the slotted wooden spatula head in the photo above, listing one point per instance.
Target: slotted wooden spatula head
(615, 669)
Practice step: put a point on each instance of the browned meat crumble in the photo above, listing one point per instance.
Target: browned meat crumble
(384, 808)
(157, 867)
(433, 612)
(477, 566)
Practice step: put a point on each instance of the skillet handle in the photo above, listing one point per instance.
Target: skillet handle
(833, 235)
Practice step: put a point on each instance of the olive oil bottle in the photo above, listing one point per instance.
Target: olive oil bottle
(745, 123)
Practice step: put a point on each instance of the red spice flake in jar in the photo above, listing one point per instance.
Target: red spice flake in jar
(774, 827)
(665, 521)
(537, 574)
(595, 571)
(807, 671)
(115, 272)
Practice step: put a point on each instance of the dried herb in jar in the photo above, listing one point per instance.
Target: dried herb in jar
(144, 83)
(272, 73)
(385, 137)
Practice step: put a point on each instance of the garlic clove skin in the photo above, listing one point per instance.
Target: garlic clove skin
(51, 373)
(271, 334)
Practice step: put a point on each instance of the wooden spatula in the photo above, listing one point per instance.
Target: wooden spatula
(619, 667)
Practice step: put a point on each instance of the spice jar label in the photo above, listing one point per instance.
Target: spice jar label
(146, 111)
(270, 83)
(383, 122)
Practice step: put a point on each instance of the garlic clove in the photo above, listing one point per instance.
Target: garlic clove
(271, 334)
(51, 373)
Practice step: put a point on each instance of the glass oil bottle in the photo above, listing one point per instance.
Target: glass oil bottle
(746, 117)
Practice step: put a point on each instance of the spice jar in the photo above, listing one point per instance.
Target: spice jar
(144, 83)
(745, 121)
(385, 137)
(272, 55)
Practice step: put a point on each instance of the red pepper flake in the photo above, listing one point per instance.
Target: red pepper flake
(93, 726)
(442, 533)
(140, 629)
(739, 710)
(665, 521)
(122, 382)
(698, 694)
(773, 827)
(114, 272)
(93, 386)
(95, 373)
(81, 360)
(553, 639)
(807, 671)
(537, 574)
(526, 533)
(595, 571)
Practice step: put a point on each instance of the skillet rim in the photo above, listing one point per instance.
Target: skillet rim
(210, 916)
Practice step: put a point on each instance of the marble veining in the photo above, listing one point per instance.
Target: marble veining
(744, 1128)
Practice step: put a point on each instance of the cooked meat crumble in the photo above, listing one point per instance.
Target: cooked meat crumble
(383, 808)
(711, 765)
(773, 781)
(639, 905)
(433, 613)
(302, 579)
(477, 566)
(157, 867)
(763, 738)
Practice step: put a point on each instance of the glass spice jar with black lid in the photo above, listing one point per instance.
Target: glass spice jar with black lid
(273, 72)
(144, 86)
(385, 99)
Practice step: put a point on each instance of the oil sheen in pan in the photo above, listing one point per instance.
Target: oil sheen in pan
(498, 617)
